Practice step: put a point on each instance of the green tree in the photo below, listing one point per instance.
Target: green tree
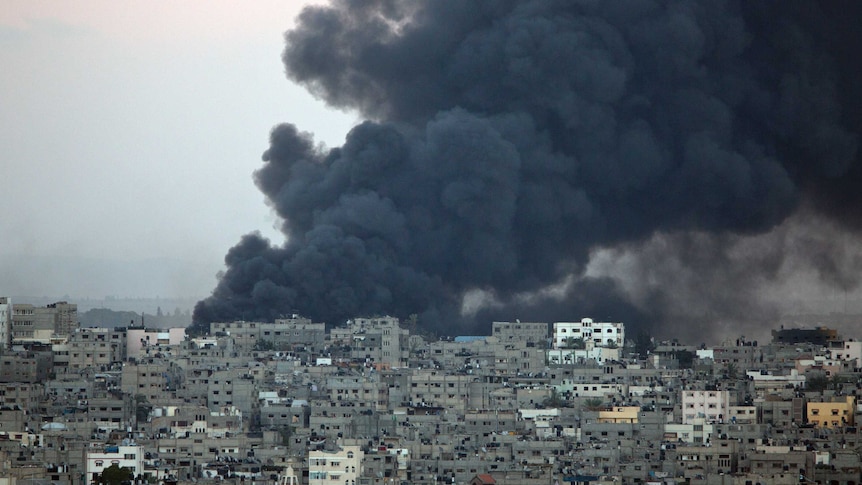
(413, 324)
(731, 371)
(593, 404)
(264, 345)
(554, 400)
(575, 343)
(114, 475)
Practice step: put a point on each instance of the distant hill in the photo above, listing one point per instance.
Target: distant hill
(105, 317)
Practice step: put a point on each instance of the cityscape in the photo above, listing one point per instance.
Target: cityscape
(382, 401)
(428, 242)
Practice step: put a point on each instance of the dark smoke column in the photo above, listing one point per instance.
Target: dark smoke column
(508, 139)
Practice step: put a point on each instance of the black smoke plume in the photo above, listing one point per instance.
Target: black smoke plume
(507, 142)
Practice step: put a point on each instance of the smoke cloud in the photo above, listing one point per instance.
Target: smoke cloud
(508, 144)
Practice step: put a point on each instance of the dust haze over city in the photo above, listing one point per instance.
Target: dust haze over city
(688, 168)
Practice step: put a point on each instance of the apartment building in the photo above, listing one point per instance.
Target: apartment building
(295, 332)
(124, 456)
(710, 405)
(96, 348)
(831, 414)
(139, 340)
(378, 340)
(599, 334)
(336, 467)
(532, 334)
(32, 324)
(5, 322)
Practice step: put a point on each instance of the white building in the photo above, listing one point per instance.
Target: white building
(594, 334)
(766, 383)
(578, 356)
(711, 406)
(130, 456)
(697, 432)
(341, 467)
(852, 350)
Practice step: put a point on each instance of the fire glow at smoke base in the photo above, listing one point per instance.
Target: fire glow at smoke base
(509, 141)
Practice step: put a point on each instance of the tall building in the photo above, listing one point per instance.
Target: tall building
(5, 321)
(39, 324)
(380, 340)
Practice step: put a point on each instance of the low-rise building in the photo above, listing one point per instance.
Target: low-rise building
(831, 414)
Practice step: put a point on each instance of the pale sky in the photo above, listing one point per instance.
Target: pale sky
(129, 133)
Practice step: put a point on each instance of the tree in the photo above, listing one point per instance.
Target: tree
(593, 404)
(575, 343)
(264, 345)
(554, 400)
(644, 344)
(114, 475)
(413, 324)
(685, 358)
(731, 371)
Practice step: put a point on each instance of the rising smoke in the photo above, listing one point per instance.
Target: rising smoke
(509, 142)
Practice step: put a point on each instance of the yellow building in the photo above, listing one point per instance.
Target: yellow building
(831, 414)
(619, 414)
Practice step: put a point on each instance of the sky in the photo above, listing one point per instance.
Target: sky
(131, 132)
(128, 138)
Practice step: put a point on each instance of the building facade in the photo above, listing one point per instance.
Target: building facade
(600, 334)
(339, 467)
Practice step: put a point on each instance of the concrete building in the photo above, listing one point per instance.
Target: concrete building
(711, 405)
(433, 388)
(601, 334)
(38, 324)
(698, 433)
(338, 467)
(244, 335)
(126, 456)
(96, 348)
(619, 414)
(529, 333)
(146, 379)
(27, 366)
(294, 332)
(721, 457)
(5, 322)
(831, 414)
(851, 350)
(780, 461)
(781, 412)
(138, 340)
(379, 340)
